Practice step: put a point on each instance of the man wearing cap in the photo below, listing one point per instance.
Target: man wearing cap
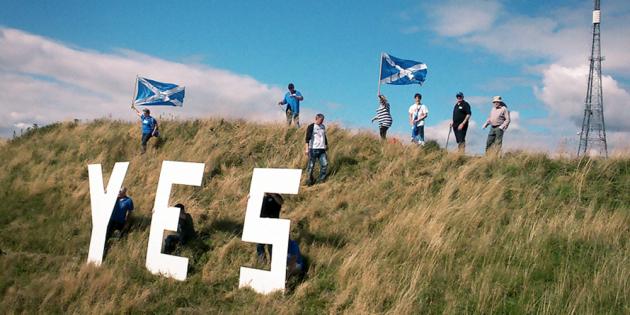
(292, 101)
(149, 126)
(120, 215)
(461, 116)
(499, 120)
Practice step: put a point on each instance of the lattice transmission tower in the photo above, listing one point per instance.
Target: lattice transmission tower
(593, 134)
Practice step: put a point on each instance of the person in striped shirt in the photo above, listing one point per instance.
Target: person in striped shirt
(383, 116)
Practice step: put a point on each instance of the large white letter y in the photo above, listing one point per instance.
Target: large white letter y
(102, 205)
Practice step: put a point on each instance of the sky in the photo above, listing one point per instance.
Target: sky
(62, 60)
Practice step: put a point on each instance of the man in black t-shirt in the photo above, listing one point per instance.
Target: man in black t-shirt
(272, 203)
(461, 116)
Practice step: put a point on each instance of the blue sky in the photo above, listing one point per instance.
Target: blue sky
(533, 53)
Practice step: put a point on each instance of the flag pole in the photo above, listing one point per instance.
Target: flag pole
(135, 90)
(380, 69)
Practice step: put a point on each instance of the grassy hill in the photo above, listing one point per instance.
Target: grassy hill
(396, 229)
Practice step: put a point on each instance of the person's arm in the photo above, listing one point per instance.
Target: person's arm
(129, 209)
(155, 128)
(506, 123)
(424, 115)
(283, 102)
(411, 121)
(487, 121)
(137, 110)
(291, 265)
(298, 96)
(467, 118)
(309, 135)
(461, 126)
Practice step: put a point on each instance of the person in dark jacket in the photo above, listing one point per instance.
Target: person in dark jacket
(383, 116)
(185, 230)
(316, 146)
(461, 117)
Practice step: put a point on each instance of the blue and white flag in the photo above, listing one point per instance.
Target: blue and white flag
(400, 72)
(151, 93)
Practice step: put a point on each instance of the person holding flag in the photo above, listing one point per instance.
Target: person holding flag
(149, 126)
(292, 101)
(154, 93)
(383, 116)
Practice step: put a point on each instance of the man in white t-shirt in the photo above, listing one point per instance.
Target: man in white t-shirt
(315, 149)
(418, 112)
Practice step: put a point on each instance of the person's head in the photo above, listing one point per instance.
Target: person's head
(291, 88)
(319, 119)
(122, 192)
(497, 101)
(181, 207)
(277, 197)
(146, 111)
(418, 98)
(459, 96)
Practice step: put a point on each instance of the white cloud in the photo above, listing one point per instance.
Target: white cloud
(45, 81)
(562, 35)
(563, 92)
(462, 17)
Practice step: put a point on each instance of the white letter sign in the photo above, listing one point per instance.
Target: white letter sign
(102, 205)
(267, 230)
(167, 218)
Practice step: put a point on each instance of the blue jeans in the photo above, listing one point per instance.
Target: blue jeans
(313, 155)
(417, 133)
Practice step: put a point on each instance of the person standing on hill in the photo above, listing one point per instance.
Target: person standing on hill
(292, 101)
(499, 120)
(149, 126)
(121, 213)
(418, 112)
(383, 116)
(461, 117)
(271, 206)
(316, 145)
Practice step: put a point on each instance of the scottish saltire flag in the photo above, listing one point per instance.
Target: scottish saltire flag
(400, 72)
(151, 93)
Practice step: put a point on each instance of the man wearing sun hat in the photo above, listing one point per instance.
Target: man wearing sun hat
(499, 120)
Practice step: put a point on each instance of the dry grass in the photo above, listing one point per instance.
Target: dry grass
(395, 230)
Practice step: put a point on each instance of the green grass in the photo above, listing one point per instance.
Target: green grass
(396, 229)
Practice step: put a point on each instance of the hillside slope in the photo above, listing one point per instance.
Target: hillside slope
(395, 229)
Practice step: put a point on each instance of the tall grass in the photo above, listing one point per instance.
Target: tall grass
(395, 229)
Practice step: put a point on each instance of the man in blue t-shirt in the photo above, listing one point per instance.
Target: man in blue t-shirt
(120, 216)
(149, 126)
(292, 101)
